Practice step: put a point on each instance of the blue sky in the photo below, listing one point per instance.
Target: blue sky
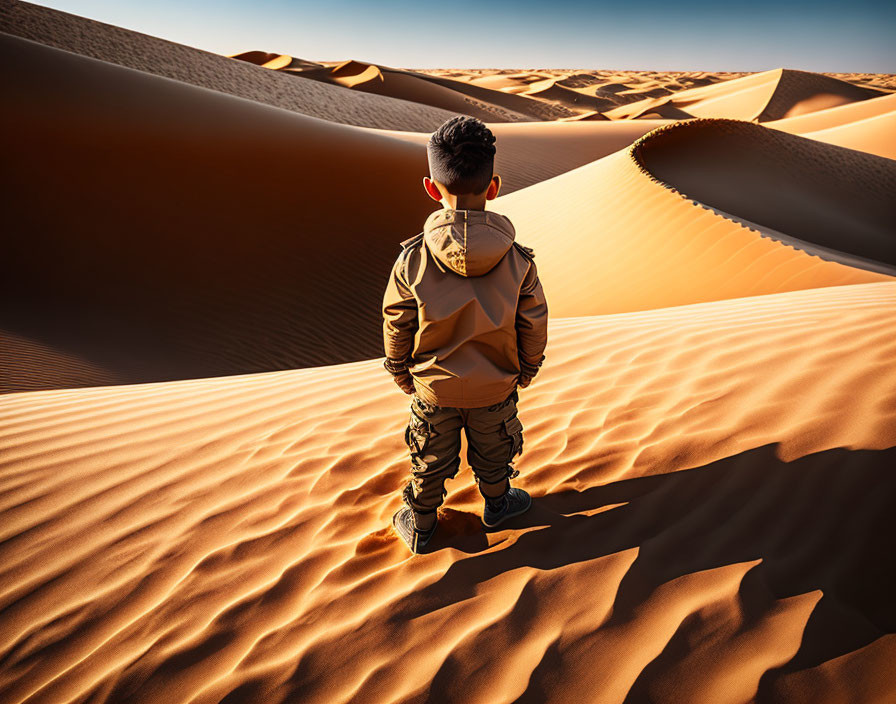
(750, 35)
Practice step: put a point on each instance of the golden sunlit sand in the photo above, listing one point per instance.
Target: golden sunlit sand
(200, 451)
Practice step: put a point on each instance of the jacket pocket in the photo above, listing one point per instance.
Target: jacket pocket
(514, 429)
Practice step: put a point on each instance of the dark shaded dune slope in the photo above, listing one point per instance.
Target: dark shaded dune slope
(165, 231)
(822, 195)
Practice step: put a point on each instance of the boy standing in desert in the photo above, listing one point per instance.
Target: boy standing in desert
(464, 324)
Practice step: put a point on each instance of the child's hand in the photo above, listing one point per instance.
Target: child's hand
(401, 375)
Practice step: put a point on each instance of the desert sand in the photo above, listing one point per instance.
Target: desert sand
(200, 451)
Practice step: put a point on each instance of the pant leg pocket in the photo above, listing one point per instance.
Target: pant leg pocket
(514, 429)
(417, 435)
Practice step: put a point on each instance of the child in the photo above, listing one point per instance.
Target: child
(464, 324)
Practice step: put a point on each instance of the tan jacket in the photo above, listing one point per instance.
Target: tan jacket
(465, 309)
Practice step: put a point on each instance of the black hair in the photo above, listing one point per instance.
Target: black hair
(461, 155)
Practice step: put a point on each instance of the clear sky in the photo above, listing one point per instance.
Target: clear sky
(733, 35)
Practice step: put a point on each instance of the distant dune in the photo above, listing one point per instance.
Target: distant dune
(770, 95)
(201, 68)
(200, 452)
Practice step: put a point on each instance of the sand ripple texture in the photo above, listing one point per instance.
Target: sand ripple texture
(712, 522)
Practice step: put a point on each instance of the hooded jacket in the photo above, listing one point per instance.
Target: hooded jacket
(465, 310)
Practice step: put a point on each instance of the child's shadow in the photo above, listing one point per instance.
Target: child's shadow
(823, 522)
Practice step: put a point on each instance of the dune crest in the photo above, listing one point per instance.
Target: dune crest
(820, 197)
(274, 61)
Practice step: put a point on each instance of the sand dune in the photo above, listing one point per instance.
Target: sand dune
(770, 95)
(224, 539)
(620, 86)
(610, 237)
(220, 258)
(274, 61)
(550, 90)
(418, 88)
(501, 80)
(826, 196)
(438, 91)
(201, 68)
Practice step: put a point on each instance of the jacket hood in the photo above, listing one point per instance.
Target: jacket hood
(469, 242)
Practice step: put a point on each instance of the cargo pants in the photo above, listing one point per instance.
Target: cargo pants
(494, 438)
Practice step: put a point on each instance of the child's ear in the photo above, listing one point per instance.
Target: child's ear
(493, 187)
(431, 189)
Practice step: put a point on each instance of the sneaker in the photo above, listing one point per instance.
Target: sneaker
(403, 522)
(514, 502)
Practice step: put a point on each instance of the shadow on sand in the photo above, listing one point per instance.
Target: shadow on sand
(826, 521)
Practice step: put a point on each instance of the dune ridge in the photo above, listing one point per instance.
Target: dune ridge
(250, 559)
(275, 61)
(439, 91)
(143, 52)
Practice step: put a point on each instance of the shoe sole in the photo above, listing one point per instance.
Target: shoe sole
(509, 515)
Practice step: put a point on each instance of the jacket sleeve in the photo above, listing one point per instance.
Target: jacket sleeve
(399, 314)
(531, 323)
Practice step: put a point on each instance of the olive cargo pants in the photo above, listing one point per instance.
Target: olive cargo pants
(494, 437)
